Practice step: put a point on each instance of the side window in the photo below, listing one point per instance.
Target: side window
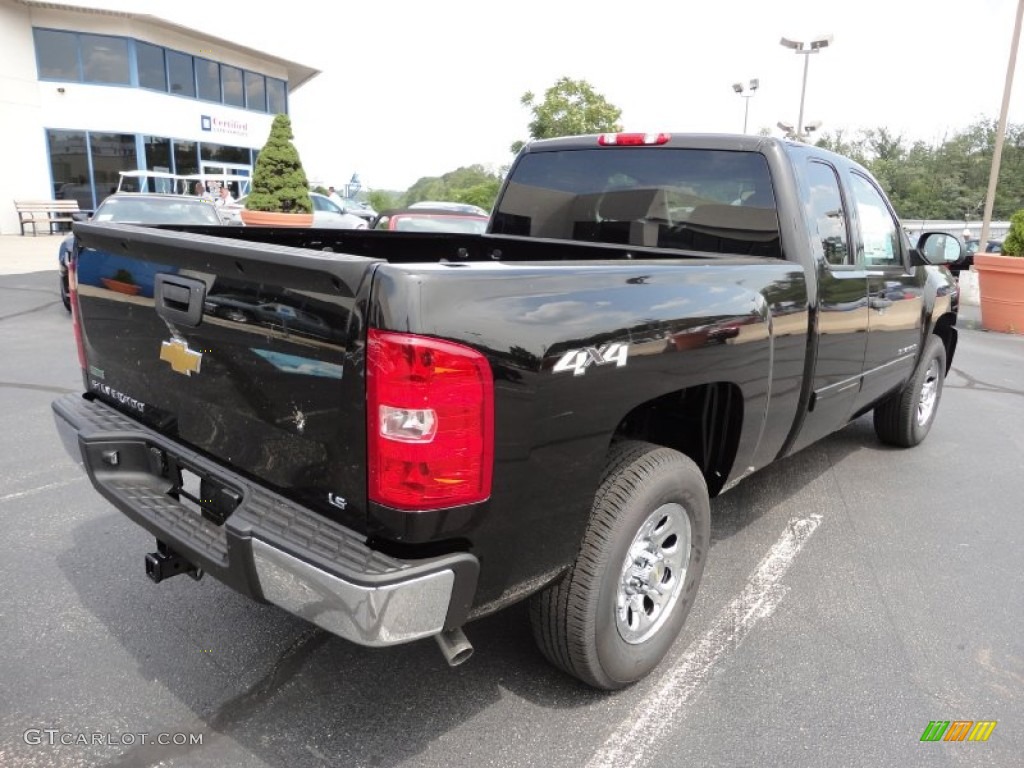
(319, 204)
(879, 232)
(826, 212)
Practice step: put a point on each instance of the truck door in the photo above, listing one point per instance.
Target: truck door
(894, 293)
(842, 316)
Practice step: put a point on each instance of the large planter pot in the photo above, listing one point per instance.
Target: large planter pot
(1002, 292)
(273, 219)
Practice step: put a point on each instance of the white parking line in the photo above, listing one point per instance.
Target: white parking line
(656, 712)
(41, 488)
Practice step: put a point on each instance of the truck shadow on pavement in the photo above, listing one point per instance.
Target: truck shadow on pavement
(777, 483)
(261, 684)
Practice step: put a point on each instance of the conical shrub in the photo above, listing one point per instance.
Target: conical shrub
(278, 182)
(1013, 245)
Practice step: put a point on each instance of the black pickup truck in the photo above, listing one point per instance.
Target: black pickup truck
(391, 434)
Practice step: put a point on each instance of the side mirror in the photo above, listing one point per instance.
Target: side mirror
(80, 216)
(940, 248)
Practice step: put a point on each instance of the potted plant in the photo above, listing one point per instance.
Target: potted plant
(279, 196)
(1001, 280)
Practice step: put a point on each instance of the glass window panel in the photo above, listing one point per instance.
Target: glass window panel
(186, 157)
(880, 236)
(208, 79)
(825, 206)
(181, 75)
(694, 199)
(111, 153)
(57, 55)
(276, 98)
(255, 91)
(104, 59)
(150, 62)
(158, 158)
(231, 78)
(69, 167)
(225, 154)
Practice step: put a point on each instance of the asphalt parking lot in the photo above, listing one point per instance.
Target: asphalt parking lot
(853, 594)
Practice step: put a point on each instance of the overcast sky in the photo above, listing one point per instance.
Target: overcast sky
(417, 88)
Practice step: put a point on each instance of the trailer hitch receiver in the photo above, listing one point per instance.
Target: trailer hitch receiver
(165, 563)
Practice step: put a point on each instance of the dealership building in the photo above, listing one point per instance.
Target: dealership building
(86, 93)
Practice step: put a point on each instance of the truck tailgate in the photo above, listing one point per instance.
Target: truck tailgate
(251, 354)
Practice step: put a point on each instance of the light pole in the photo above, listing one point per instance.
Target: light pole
(740, 89)
(993, 176)
(812, 47)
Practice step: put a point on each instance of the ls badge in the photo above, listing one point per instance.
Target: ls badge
(181, 358)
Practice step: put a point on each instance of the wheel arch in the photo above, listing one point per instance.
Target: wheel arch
(703, 422)
(945, 329)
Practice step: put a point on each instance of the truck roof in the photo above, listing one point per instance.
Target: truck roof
(736, 142)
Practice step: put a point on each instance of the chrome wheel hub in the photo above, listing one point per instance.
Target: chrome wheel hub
(653, 573)
(929, 394)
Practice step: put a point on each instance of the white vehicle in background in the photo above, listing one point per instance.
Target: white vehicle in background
(475, 210)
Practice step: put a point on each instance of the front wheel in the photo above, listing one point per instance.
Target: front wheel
(906, 416)
(618, 610)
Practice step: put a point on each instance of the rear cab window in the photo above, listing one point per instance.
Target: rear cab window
(709, 200)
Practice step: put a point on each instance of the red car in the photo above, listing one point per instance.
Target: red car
(432, 220)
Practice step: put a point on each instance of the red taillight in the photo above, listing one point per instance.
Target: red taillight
(430, 422)
(632, 139)
(76, 322)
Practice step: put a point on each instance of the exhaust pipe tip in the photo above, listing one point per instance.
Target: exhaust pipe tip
(455, 647)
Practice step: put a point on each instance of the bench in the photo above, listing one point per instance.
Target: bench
(52, 213)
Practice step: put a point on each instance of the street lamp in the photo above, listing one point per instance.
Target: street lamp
(794, 135)
(739, 88)
(805, 50)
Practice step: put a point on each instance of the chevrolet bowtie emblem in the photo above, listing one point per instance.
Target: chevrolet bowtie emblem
(182, 359)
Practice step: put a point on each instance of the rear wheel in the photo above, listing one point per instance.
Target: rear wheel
(65, 293)
(618, 610)
(905, 418)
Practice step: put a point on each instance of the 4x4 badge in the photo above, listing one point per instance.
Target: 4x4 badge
(578, 360)
(181, 358)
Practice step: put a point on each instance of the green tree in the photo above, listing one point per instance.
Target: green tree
(570, 108)
(383, 199)
(474, 184)
(947, 180)
(1013, 245)
(279, 182)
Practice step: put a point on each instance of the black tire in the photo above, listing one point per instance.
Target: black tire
(577, 622)
(905, 418)
(65, 295)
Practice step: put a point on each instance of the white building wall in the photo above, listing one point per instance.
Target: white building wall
(24, 172)
(28, 106)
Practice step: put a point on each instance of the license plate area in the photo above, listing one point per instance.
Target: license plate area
(200, 492)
